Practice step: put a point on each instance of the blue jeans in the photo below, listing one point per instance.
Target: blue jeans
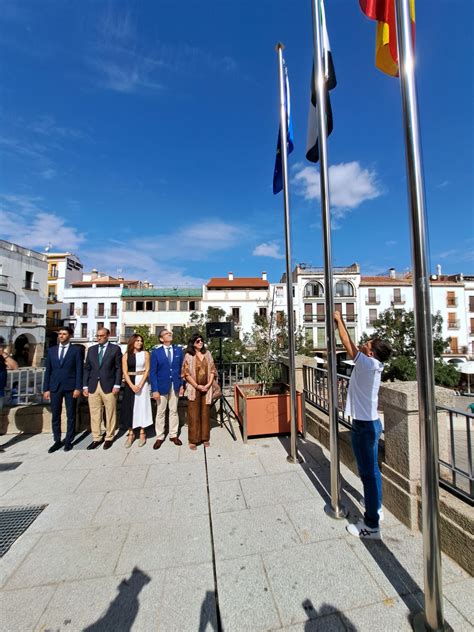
(365, 443)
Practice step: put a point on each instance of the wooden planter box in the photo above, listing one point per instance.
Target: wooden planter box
(265, 414)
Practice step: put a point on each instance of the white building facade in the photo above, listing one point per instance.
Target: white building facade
(23, 283)
(64, 268)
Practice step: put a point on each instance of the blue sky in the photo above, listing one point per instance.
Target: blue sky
(141, 136)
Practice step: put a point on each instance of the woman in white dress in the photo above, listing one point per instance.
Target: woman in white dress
(135, 411)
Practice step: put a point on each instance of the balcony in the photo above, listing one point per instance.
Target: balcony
(314, 318)
(351, 318)
(373, 300)
(3, 280)
(52, 298)
(31, 286)
(52, 274)
(101, 313)
(454, 324)
(398, 300)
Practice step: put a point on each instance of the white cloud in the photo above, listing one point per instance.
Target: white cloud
(391, 243)
(269, 249)
(443, 184)
(24, 222)
(349, 186)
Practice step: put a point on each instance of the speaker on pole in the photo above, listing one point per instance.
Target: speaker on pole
(220, 330)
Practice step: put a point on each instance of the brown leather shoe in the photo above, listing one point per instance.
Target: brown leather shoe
(158, 443)
(176, 441)
(94, 445)
(107, 444)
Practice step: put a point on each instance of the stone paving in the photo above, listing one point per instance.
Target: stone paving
(144, 540)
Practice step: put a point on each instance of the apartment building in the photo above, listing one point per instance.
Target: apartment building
(93, 303)
(239, 297)
(157, 308)
(64, 268)
(23, 282)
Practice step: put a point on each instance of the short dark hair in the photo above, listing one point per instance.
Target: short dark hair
(69, 330)
(190, 348)
(382, 350)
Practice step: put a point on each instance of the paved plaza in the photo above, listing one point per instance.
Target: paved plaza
(228, 538)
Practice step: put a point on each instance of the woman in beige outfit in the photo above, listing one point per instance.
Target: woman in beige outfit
(199, 371)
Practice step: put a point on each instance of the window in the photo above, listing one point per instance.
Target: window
(338, 307)
(158, 329)
(183, 306)
(279, 291)
(84, 309)
(454, 345)
(113, 329)
(28, 280)
(344, 288)
(100, 326)
(372, 296)
(372, 315)
(177, 330)
(128, 306)
(113, 310)
(262, 311)
(27, 311)
(313, 290)
(308, 336)
(471, 328)
(51, 293)
(236, 314)
(280, 316)
(71, 309)
(350, 317)
(150, 306)
(321, 338)
(451, 299)
(139, 305)
(308, 312)
(100, 309)
(193, 305)
(129, 331)
(397, 296)
(172, 306)
(162, 306)
(53, 271)
(84, 330)
(471, 303)
(320, 312)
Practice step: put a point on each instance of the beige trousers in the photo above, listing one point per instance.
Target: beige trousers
(98, 401)
(171, 401)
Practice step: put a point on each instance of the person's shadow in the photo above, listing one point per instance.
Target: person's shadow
(316, 621)
(209, 614)
(123, 610)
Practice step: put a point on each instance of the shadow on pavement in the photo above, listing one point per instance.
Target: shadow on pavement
(15, 439)
(208, 614)
(123, 610)
(319, 619)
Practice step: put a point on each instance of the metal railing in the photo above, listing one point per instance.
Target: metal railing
(315, 386)
(454, 324)
(373, 300)
(231, 373)
(456, 474)
(24, 386)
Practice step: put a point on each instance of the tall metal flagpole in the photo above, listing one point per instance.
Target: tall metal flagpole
(334, 509)
(293, 456)
(433, 616)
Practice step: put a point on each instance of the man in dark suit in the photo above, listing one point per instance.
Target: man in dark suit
(102, 377)
(167, 386)
(63, 381)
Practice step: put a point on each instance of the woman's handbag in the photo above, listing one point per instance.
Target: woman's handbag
(216, 390)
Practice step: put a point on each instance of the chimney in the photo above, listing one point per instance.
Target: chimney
(264, 276)
(230, 276)
(392, 273)
(438, 270)
(94, 274)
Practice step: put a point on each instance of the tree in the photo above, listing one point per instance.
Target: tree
(149, 340)
(398, 328)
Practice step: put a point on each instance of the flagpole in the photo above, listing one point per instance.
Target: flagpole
(334, 509)
(293, 457)
(433, 616)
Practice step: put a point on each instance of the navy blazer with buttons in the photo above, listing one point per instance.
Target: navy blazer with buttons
(162, 373)
(109, 372)
(67, 377)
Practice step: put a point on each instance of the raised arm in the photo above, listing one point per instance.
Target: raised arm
(349, 346)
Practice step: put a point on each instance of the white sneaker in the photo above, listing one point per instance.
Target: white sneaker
(361, 530)
(381, 513)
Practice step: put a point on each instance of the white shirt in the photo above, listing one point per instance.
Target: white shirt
(66, 349)
(363, 395)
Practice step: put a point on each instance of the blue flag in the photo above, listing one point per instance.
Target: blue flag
(278, 173)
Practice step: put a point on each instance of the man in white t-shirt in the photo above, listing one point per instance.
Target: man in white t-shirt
(361, 406)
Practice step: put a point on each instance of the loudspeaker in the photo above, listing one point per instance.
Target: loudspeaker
(220, 330)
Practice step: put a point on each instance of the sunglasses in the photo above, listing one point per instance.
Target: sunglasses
(199, 340)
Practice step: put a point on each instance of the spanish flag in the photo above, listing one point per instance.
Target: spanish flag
(386, 50)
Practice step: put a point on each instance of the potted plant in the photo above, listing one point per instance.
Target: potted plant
(263, 408)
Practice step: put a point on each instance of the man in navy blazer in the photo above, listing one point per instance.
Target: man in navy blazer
(167, 386)
(63, 381)
(102, 378)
